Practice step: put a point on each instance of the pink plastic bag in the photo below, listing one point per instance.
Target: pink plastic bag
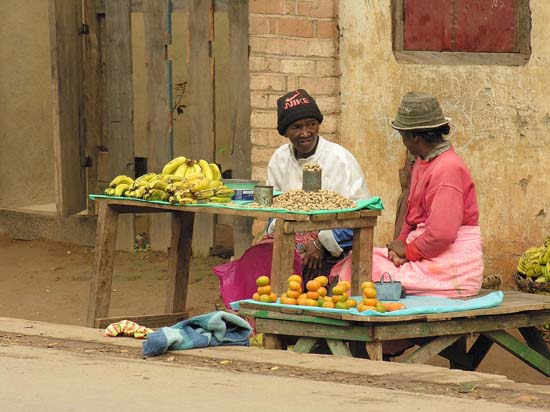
(238, 278)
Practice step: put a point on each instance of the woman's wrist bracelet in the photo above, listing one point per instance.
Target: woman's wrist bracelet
(315, 244)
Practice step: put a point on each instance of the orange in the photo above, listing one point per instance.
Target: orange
(369, 293)
(301, 301)
(344, 283)
(320, 301)
(370, 301)
(256, 296)
(367, 285)
(262, 281)
(380, 307)
(328, 305)
(283, 295)
(273, 297)
(295, 278)
(322, 291)
(265, 298)
(293, 285)
(351, 303)
(323, 280)
(302, 296)
(311, 302)
(341, 305)
(313, 285)
(282, 300)
(392, 306)
(327, 298)
(338, 290)
(292, 294)
(312, 294)
(339, 298)
(264, 290)
(363, 308)
(290, 301)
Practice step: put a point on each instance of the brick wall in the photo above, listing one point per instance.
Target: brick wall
(293, 44)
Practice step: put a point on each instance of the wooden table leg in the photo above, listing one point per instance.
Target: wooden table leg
(102, 269)
(361, 265)
(429, 350)
(534, 339)
(178, 261)
(305, 345)
(338, 347)
(271, 341)
(479, 349)
(374, 349)
(282, 264)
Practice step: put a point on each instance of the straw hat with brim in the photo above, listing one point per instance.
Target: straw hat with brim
(419, 111)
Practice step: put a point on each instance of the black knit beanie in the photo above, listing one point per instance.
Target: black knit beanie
(295, 106)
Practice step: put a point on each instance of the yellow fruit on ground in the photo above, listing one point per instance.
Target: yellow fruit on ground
(264, 290)
(338, 290)
(293, 285)
(341, 305)
(313, 285)
(369, 293)
(328, 305)
(322, 291)
(293, 294)
(323, 280)
(256, 296)
(311, 302)
(367, 285)
(351, 303)
(262, 281)
(295, 278)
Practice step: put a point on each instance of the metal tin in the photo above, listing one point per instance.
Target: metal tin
(263, 195)
(244, 189)
(311, 180)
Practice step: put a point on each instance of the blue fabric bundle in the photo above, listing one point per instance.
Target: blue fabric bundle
(211, 329)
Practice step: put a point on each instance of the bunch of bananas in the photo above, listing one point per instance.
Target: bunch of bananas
(535, 262)
(182, 181)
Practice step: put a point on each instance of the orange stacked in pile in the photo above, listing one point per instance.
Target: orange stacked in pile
(264, 293)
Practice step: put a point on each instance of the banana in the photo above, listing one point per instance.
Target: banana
(158, 184)
(156, 194)
(183, 200)
(217, 199)
(182, 170)
(214, 184)
(173, 187)
(545, 257)
(206, 171)
(173, 178)
(224, 191)
(121, 179)
(199, 184)
(139, 193)
(203, 194)
(121, 189)
(184, 193)
(197, 168)
(540, 279)
(109, 191)
(215, 171)
(145, 178)
(170, 167)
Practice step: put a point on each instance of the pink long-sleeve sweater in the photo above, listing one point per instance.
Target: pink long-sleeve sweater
(443, 197)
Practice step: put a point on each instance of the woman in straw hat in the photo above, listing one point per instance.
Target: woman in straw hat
(438, 251)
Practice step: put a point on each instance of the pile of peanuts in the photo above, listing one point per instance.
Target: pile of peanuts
(307, 201)
(312, 167)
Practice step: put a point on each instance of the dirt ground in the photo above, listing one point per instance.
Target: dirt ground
(50, 281)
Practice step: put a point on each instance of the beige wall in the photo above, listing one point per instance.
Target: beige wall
(500, 127)
(26, 151)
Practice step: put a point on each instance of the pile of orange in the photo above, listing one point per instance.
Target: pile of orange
(370, 302)
(264, 293)
(340, 297)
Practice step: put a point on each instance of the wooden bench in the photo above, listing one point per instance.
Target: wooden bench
(362, 222)
(443, 333)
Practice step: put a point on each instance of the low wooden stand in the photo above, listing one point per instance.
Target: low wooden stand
(183, 217)
(444, 333)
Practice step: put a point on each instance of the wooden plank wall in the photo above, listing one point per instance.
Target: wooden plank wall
(119, 139)
(159, 122)
(67, 83)
(200, 105)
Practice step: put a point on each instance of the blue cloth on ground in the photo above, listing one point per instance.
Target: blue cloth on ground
(211, 329)
(414, 305)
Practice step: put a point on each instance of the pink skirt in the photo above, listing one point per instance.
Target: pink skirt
(456, 273)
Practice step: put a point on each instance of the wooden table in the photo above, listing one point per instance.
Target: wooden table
(444, 333)
(362, 222)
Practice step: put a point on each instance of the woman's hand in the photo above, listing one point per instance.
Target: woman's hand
(397, 246)
(312, 260)
(397, 261)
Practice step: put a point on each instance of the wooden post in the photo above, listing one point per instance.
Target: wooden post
(282, 265)
(200, 105)
(102, 270)
(119, 139)
(178, 261)
(361, 265)
(68, 100)
(159, 121)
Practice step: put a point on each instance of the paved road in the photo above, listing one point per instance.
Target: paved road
(50, 380)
